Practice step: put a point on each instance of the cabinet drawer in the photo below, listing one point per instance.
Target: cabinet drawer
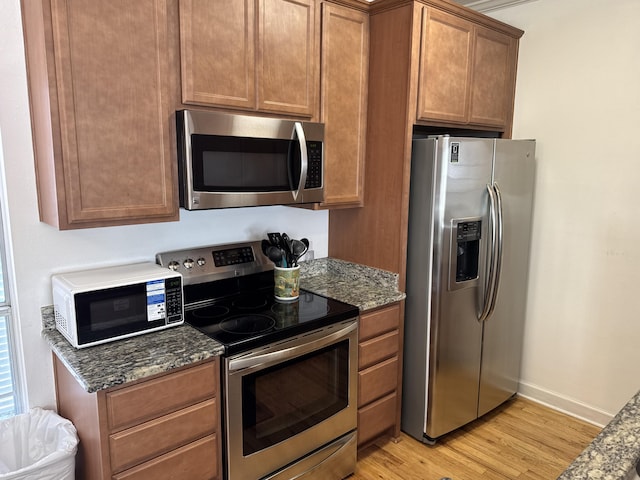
(377, 381)
(198, 460)
(375, 418)
(135, 445)
(377, 349)
(378, 322)
(166, 394)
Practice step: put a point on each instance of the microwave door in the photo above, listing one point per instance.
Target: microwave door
(298, 163)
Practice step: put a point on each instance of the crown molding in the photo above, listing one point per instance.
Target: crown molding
(489, 5)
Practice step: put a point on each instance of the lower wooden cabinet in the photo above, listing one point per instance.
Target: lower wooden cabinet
(194, 460)
(378, 373)
(376, 418)
(166, 427)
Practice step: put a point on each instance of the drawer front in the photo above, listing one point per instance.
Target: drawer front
(379, 322)
(198, 460)
(377, 349)
(132, 405)
(377, 381)
(376, 418)
(140, 443)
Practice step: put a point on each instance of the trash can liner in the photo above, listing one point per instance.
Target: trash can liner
(39, 445)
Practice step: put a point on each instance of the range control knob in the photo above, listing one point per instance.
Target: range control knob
(173, 265)
(188, 263)
(201, 261)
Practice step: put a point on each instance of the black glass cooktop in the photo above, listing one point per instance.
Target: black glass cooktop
(249, 319)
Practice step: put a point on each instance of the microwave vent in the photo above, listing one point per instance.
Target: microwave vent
(61, 322)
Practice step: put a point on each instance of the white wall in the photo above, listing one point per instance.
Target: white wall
(40, 250)
(578, 94)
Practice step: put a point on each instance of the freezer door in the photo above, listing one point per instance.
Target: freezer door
(456, 333)
(514, 172)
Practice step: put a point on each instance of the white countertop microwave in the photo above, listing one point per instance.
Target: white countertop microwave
(106, 304)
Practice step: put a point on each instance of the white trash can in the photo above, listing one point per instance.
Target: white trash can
(39, 445)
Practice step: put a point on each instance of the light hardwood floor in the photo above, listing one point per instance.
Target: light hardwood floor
(519, 440)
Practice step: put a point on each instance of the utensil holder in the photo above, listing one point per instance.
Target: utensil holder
(287, 283)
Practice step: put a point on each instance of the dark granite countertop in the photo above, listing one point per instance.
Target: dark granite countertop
(110, 364)
(359, 285)
(614, 452)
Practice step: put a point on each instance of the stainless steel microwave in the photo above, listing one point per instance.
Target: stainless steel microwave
(106, 304)
(228, 160)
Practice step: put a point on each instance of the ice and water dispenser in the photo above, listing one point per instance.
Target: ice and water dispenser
(467, 234)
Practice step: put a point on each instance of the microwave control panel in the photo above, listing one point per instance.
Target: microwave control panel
(173, 292)
(314, 170)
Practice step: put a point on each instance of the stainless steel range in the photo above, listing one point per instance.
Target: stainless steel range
(289, 369)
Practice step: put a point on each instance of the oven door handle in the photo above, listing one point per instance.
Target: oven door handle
(311, 343)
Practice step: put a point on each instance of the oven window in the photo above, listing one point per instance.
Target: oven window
(284, 400)
(242, 164)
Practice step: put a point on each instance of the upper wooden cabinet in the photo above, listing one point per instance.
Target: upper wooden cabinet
(495, 56)
(217, 44)
(466, 72)
(445, 67)
(344, 82)
(251, 54)
(101, 108)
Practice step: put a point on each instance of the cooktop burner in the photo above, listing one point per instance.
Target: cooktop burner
(247, 324)
(210, 312)
(248, 320)
(250, 302)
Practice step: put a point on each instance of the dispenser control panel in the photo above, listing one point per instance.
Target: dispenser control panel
(468, 231)
(467, 250)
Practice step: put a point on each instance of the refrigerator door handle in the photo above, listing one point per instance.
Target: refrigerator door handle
(491, 252)
(498, 252)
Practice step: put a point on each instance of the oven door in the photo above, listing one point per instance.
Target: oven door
(286, 400)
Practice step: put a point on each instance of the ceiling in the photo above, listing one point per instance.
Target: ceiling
(488, 5)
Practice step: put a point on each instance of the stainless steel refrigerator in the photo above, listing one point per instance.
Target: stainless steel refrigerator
(467, 263)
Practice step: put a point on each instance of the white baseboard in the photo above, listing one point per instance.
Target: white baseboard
(565, 404)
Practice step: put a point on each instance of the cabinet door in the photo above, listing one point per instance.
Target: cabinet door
(376, 418)
(286, 61)
(493, 78)
(445, 67)
(198, 460)
(345, 71)
(217, 46)
(114, 110)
